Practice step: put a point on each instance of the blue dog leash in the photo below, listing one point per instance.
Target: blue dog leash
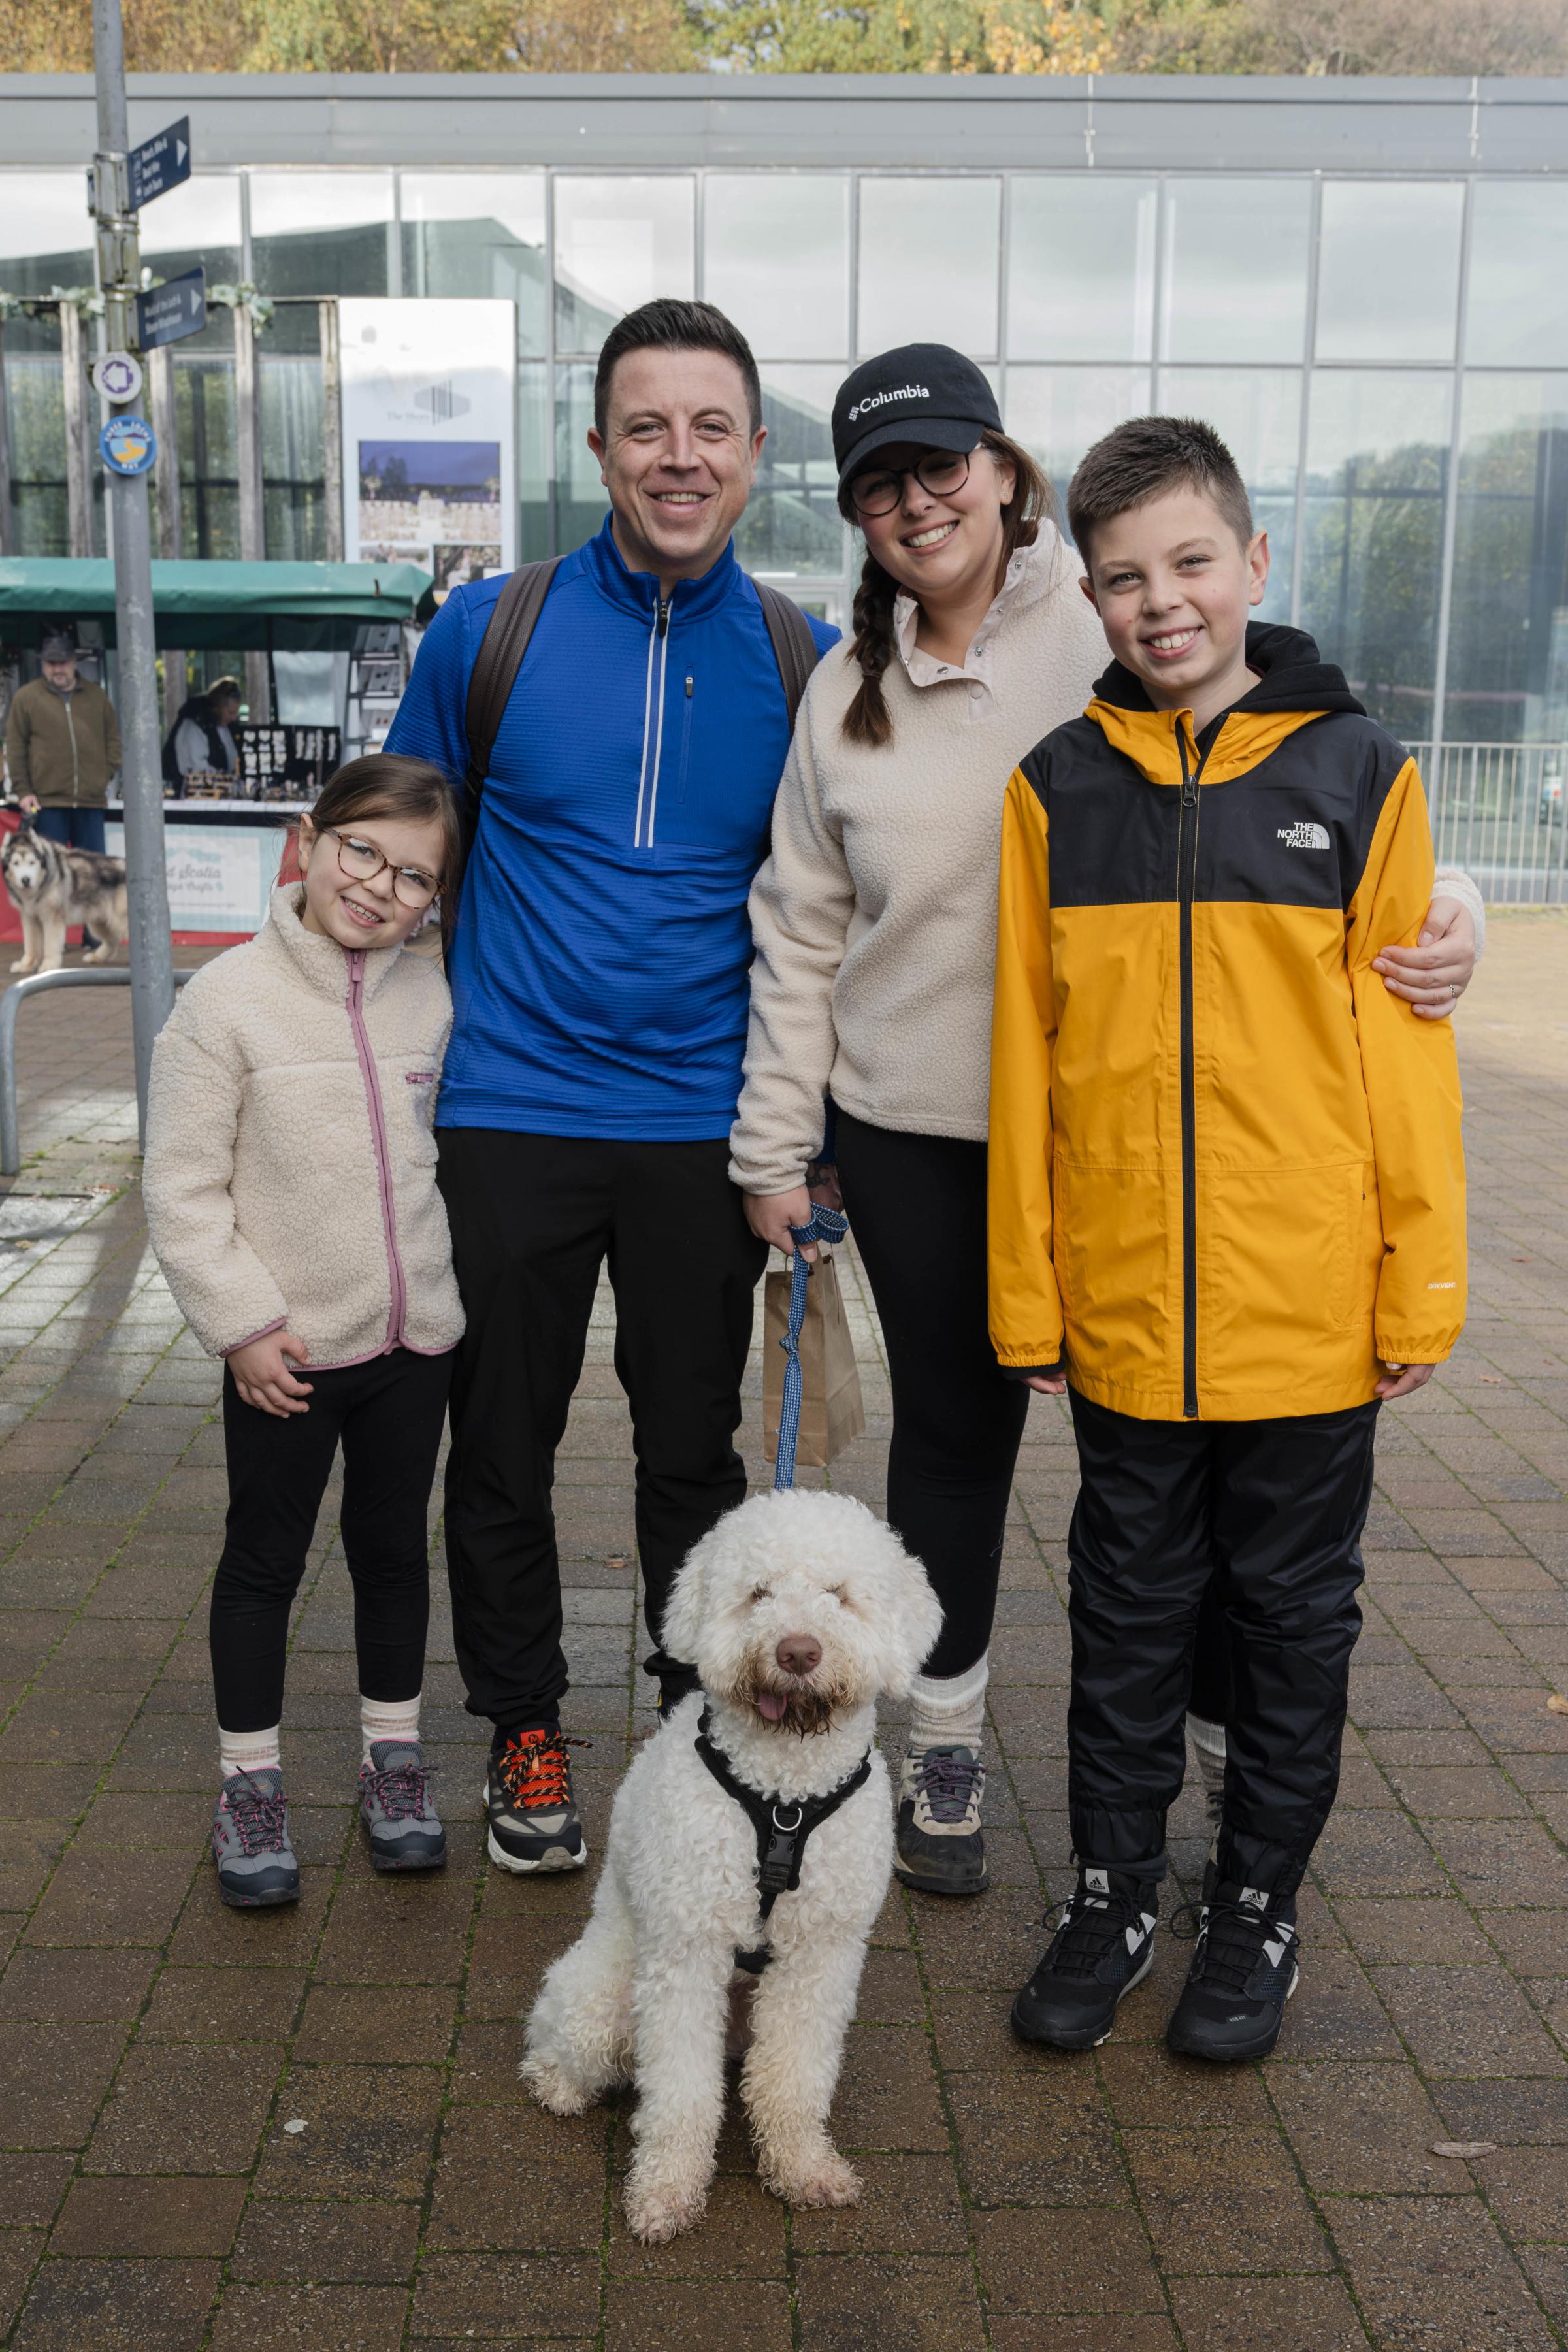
(826, 1225)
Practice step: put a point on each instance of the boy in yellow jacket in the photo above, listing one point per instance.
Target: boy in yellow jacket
(1226, 1211)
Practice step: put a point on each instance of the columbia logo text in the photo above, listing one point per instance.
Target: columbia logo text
(880, 399)
(1304, 836)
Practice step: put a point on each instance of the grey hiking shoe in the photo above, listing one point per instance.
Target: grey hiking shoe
(255, 1860)
(940, 1846)
(529, 1805)
(395, 1806)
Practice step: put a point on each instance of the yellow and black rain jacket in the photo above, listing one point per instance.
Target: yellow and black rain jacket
(1225, 1168)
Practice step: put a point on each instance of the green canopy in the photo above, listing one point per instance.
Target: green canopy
(241, 607)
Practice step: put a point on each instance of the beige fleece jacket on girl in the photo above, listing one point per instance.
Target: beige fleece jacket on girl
(874, 917)
(290, 1167)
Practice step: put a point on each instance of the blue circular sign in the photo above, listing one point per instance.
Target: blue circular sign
(128, 444)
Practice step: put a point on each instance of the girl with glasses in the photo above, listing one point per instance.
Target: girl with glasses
(874, 920)
(290, 1184)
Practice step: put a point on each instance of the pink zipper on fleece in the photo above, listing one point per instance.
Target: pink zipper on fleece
(378, 1131)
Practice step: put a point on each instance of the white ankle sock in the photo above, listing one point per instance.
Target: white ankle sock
(949, 1711)
(1208, 1746)
(249, 1751)
(388, 1718)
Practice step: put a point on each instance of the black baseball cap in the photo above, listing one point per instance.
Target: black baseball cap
(926, 392)
(58, 642)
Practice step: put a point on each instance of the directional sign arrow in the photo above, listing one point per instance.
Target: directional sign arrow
(161, 164)
(166, 313)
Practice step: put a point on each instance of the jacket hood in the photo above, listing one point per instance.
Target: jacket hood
(1292, 676)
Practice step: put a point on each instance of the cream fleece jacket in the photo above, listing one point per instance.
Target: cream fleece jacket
(874, 917)
(290, 1167)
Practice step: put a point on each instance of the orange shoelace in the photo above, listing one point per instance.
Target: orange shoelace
(535, 1770)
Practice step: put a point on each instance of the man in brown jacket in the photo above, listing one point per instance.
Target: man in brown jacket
(62, 745)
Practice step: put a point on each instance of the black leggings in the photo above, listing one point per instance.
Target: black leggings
(917, 1206)
(388, 1413)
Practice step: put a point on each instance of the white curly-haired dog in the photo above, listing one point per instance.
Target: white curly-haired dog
(798, 1611)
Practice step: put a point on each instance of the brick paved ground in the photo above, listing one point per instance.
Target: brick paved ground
(156, 2048)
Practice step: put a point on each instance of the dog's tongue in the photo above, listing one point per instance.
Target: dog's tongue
(772, 1704)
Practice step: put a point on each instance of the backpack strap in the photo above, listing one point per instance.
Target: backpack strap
(795, 648)
(494, 674)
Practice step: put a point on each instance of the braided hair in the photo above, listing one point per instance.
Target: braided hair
(869, 720)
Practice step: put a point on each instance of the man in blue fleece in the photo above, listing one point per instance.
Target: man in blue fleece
(600, 979)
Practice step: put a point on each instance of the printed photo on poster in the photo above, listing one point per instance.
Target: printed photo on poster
(429, 399)
(416, 493)
(454, 565)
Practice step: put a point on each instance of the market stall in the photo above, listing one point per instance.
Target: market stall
(225, 844)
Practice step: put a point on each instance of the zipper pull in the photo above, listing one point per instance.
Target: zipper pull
(663, 622)
(688, 690)
(1189, 779)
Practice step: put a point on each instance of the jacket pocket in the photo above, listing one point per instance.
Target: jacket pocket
(1287, 1258)
(683, 771)
(1111, 1260)
(411, 1112)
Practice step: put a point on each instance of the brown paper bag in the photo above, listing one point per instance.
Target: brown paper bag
(832, 1409)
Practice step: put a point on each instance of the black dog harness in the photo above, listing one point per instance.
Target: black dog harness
(781, 1843)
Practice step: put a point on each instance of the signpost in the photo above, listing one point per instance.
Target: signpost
(178, 307)
(160, 164)
(121, 182)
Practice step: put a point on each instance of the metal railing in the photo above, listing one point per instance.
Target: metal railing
(1501, 810)
(109, 976)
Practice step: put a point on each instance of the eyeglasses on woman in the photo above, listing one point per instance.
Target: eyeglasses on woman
(881, 487)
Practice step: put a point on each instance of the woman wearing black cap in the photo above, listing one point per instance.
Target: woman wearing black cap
(874, 920)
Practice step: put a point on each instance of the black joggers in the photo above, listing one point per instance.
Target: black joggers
(388, 1413)
(1274, 1511)
(917, 1209)
(533, 1217)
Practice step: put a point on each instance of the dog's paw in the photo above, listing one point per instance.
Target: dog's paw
(22, 964)
(658, 2210)
(554, 2089)
(825, 2179)
(98, 955)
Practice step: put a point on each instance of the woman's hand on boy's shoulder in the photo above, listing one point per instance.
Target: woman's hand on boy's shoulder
(1434, 974)
(1402, 1380)
(264, 1373)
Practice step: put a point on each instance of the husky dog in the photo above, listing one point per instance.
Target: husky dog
(53, 888)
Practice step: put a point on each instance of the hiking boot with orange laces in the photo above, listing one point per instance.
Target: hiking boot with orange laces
(533, 1822)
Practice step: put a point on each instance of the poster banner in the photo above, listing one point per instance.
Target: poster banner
(220, 875)
(429, 406)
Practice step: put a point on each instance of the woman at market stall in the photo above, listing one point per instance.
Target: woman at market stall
(200, 742)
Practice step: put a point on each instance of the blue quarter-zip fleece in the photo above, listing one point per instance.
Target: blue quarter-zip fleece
(600, 972)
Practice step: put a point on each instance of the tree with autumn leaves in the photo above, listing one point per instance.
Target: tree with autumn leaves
(962, 36)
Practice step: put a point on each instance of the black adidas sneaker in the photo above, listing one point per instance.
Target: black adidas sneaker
(1104, 1944)
(1244, 1971)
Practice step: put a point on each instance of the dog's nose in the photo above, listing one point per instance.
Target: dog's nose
(799, 1653)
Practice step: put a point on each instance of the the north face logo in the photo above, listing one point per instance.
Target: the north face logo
(1303, 836)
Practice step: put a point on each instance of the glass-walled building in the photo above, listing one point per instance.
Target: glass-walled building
(1363, 292)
